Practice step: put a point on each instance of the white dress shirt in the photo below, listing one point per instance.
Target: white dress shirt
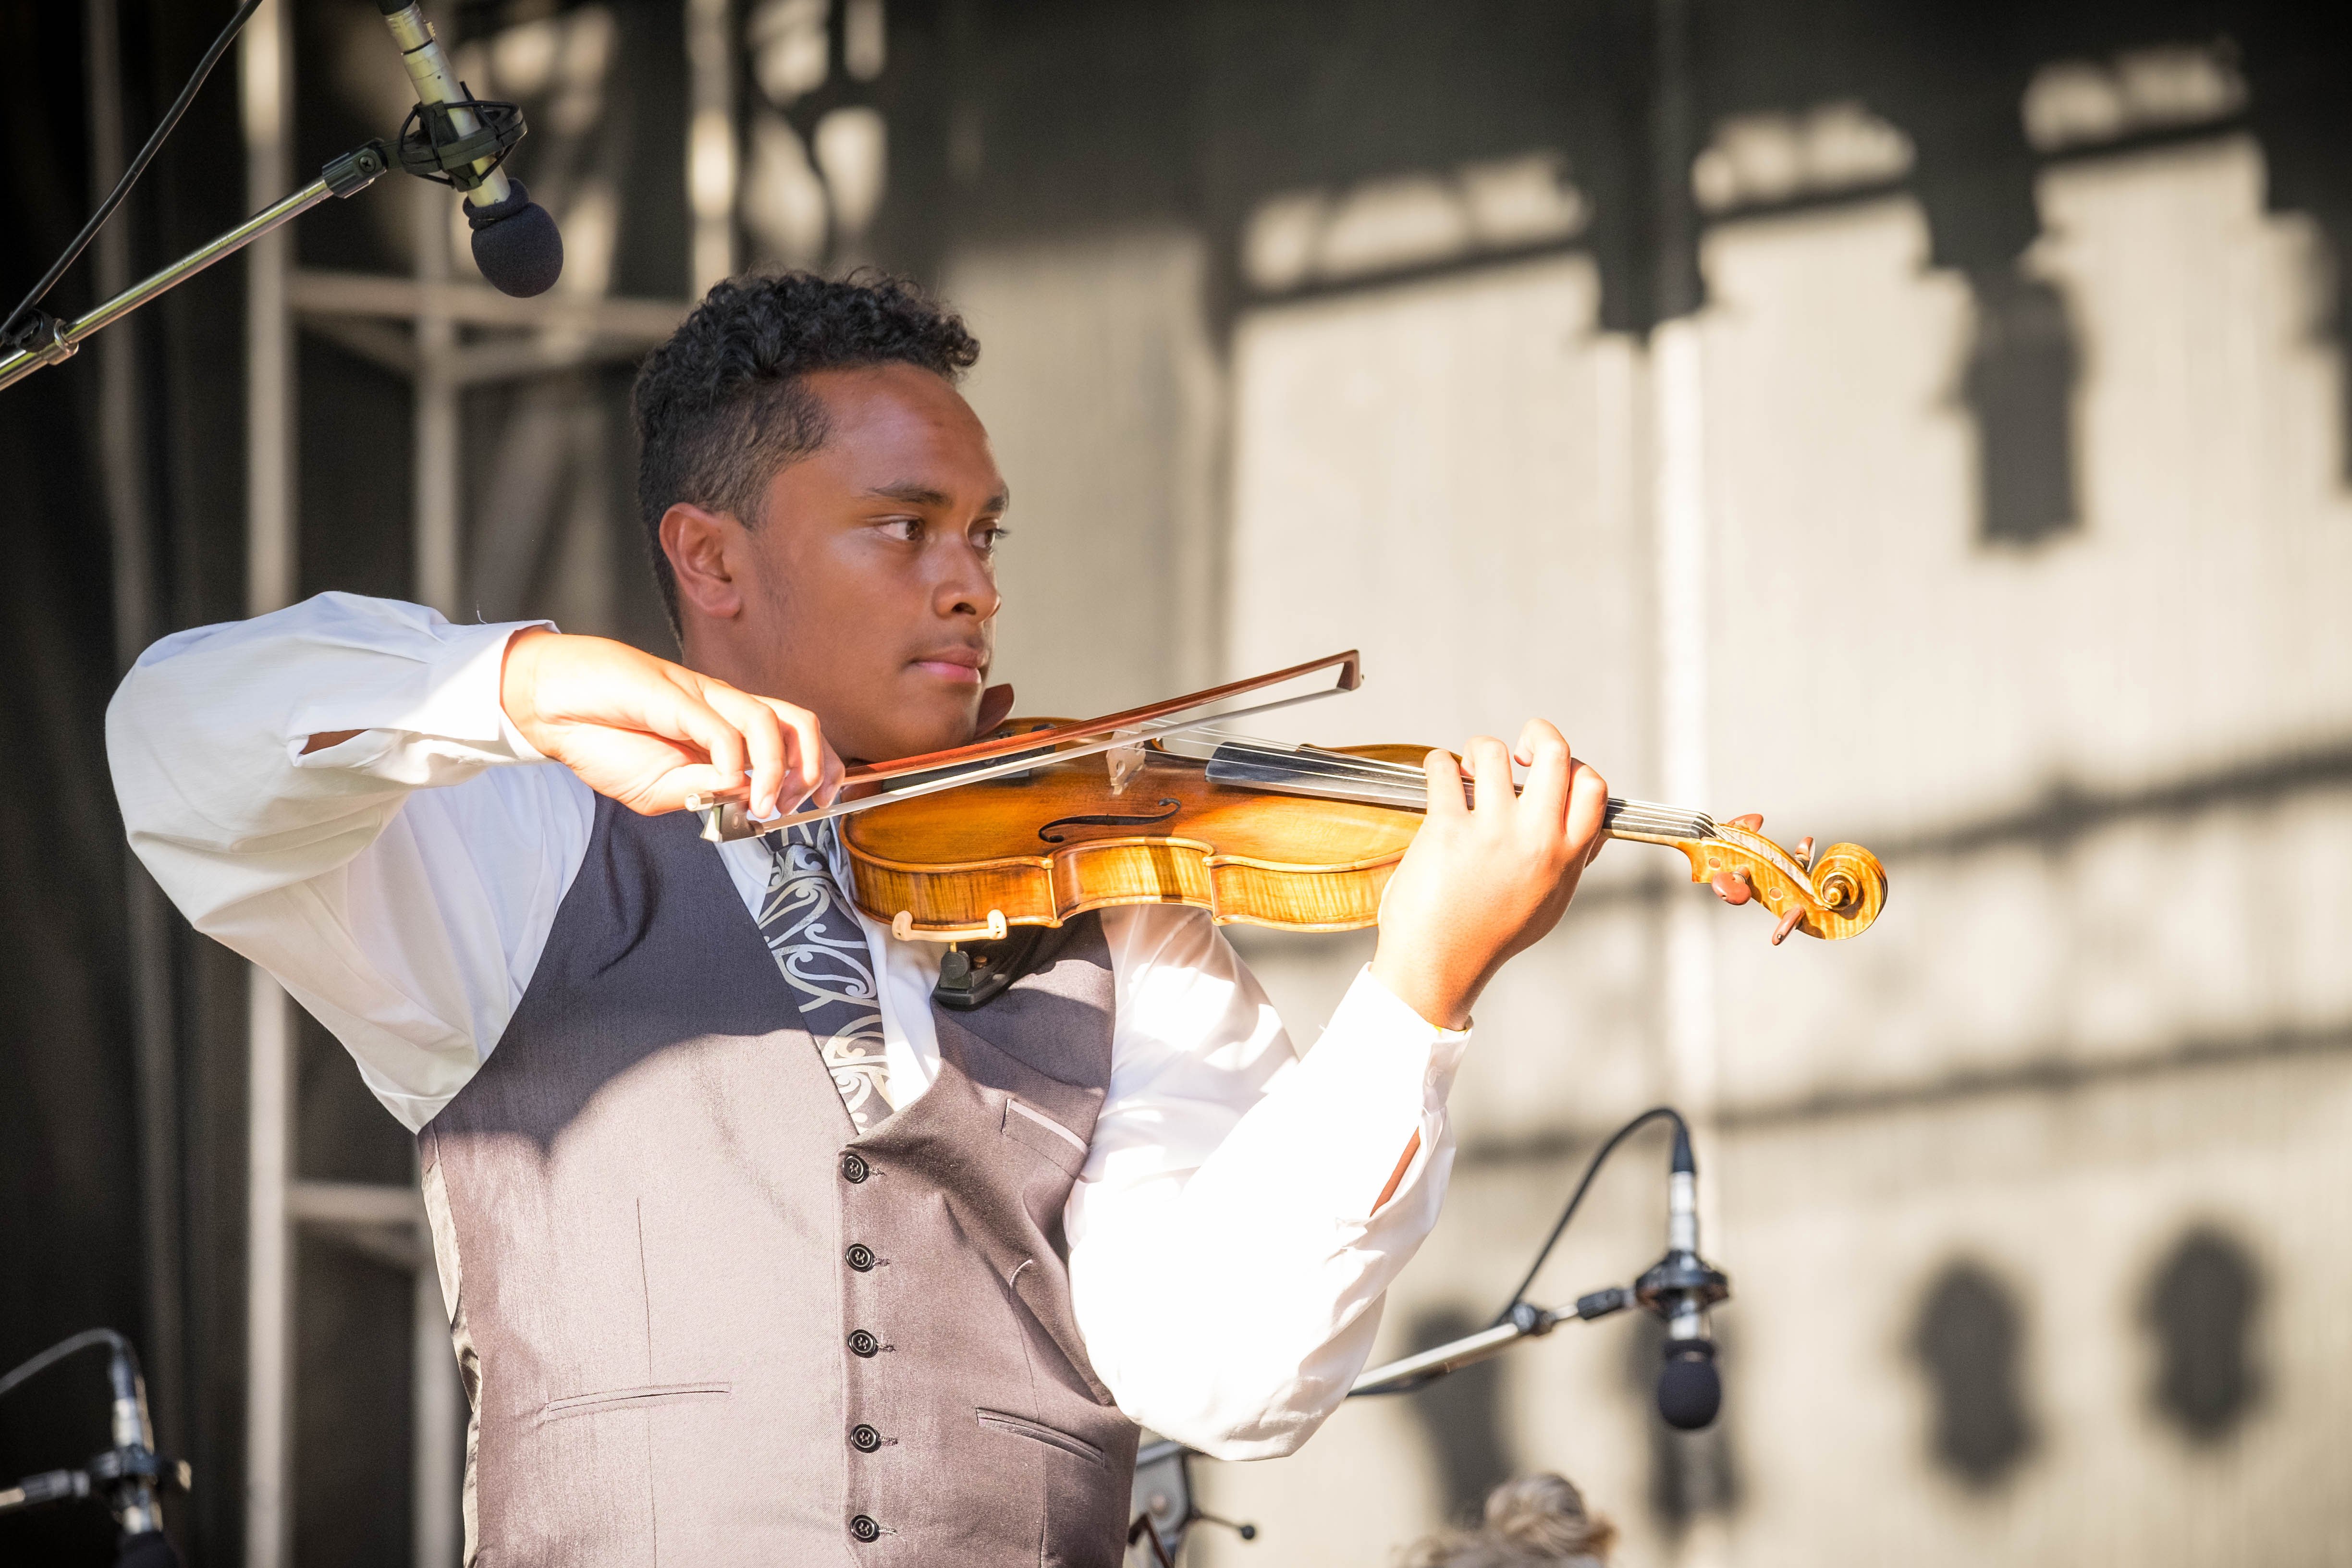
(1226, 1266)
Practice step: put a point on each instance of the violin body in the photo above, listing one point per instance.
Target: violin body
(1040, 847)
(1144, 826)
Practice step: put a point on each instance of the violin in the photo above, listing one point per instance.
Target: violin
(1045, 819)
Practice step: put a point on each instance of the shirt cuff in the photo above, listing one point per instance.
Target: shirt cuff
(1373, 1012)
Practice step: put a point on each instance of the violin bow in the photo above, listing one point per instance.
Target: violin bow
(724, 815)
(1834, 894)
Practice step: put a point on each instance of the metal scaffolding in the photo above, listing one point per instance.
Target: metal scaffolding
(509, 340)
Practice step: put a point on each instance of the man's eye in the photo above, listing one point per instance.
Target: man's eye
(908, 530)
(988, 536)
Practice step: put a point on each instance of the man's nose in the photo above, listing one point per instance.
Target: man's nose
(966, 586)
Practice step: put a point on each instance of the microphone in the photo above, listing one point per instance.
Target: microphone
(134, 1498)
(1680, 1287)
(454, 138)
(126, 1477)
(134, 1470)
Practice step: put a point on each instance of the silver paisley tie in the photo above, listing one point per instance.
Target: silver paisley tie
(820, 947)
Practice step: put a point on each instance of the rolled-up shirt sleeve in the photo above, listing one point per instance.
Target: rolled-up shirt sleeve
(400, 884)
(1229, 1250)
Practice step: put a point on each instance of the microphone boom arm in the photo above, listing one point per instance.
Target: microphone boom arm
(1525, 1322)
(55, 341)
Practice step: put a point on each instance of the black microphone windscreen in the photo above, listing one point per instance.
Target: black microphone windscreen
(515, 243)
(1690, 1391)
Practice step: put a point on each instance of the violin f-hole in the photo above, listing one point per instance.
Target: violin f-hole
(1105, 820)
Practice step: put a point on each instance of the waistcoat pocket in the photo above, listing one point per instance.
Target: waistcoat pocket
(1034, 1129)
(1036, 1432)
(645, 1396)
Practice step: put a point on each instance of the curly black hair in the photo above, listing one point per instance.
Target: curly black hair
(722, 406)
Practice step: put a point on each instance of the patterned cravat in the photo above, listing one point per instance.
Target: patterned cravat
(821, 949)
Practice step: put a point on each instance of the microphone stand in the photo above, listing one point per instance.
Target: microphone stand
(1164, 1510)
(1677, 1288)
(460, 135)
(127, 1477)
(45, 340)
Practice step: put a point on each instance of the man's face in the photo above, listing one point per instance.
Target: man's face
(868, 586)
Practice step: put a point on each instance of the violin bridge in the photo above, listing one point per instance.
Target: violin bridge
(1123, 761)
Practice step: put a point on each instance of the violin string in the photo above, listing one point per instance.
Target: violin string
(1408, 781)
(1623, 816)
(1406, 785)
(1621, 810)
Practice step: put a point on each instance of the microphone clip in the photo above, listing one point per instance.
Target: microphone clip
(40, 335)
(431, 148)
(1680, 1283)
(123, 1478)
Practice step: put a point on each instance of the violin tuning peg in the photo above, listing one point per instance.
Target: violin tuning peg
(1751, 820)
(1788, 923)
(1731, 887)
(1805, 851)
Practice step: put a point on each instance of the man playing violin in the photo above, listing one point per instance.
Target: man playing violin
(753, 1251)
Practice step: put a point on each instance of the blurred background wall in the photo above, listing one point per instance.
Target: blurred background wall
(1923, 424)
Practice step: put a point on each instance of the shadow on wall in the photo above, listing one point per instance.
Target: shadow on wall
(1969, 1341)
(1691, 1473)
(1461, 1419)
(2019, 390)
(2202, 1306)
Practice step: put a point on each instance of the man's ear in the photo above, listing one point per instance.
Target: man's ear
(706, 557)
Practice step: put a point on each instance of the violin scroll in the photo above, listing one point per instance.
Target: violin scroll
(1834, 894)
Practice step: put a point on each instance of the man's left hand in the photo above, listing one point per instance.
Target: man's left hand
(1484, 881)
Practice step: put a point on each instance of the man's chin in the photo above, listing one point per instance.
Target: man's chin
(934, 721)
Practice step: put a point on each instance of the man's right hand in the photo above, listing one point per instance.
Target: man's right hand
(649, 733)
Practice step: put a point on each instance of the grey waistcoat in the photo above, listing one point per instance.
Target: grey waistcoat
(703, 1323)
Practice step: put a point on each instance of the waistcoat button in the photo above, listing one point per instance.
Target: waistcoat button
(853, 1167)
(863, 1439)
(860, 1256)
(862, 1343)
(865, 1528)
